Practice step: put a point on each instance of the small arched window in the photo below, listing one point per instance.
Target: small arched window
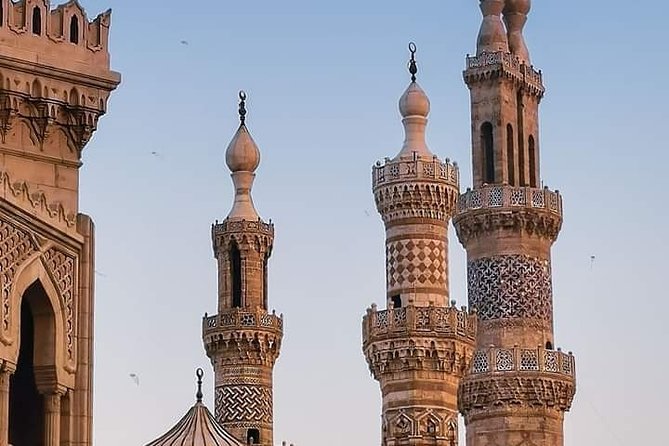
(253, 436)
(37, 21)
(236, 276)
(533, 161)
(510, 155)
(2, 14)
(549, 345)
(264, 280)
(396, 301)
(74, 29)
(487, 144)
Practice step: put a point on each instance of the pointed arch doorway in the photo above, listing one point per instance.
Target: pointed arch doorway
(35, 369)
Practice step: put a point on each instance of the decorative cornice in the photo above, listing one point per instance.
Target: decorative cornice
(243, 232)
(21, 195)
(473, 221)
(503, 65)
(485, 393)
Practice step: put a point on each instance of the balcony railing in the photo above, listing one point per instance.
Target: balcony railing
(509, 63)
(416, 320)
(503, 196)
(393, 171)
(523, 360)
(241, 318)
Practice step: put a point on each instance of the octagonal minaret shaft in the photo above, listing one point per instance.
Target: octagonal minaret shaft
(418, 347)
(518, 387)
(243, 339)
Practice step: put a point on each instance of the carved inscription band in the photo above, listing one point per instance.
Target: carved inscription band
(514, 286)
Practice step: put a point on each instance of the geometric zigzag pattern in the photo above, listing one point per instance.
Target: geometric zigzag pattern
(243, 403)
(512, 286)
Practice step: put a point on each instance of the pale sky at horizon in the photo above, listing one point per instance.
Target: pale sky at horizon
(323, 81)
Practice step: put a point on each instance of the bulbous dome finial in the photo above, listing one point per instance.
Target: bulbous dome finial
(242, 154)
(414, 101)
(414, 108)
(243, 158)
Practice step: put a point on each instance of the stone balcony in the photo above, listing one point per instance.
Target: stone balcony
(413, 321)
(241, 319)
(417, 169)
(510, 197)
(503, 64)
(493, 360)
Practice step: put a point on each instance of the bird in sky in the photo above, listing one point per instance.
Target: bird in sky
(134, 378)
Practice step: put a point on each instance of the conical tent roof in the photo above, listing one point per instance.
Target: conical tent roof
(197, 428)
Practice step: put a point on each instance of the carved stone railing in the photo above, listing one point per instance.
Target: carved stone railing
(523, 360)
(490, 197)
(417, 169)
(237, 318)
(242, 226)
(412, 320)
(506, 62)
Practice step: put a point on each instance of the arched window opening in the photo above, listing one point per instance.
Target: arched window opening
(521, 138)
(37, 346)
(533, 161)
(253, 436)
(74, 29)
(396, 301)
(510, 155)
(2, 14)
(37, 21)
(236, 275)
(487, 144)
(549, 345)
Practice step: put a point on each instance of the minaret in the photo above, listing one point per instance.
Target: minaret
(243, 339)
(419, 347)
(519, 386)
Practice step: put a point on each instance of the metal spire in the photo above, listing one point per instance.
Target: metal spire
(413, 68)
(199, 373)
(242, 106)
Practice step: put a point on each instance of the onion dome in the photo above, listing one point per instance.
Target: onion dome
(515, 16)
(197, 428)
(414, 107)
(492, 35)
(242, 158)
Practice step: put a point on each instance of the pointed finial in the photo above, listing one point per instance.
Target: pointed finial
(199, 373)
(242, 106)
(413, 68)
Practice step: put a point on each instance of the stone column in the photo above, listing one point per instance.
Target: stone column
(52, 419)
(5, 374)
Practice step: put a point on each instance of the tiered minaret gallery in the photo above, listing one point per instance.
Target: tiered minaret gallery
(419, 347)
(519, 386)
(243, 339)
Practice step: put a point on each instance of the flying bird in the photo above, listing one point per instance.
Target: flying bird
(184, 42)
(592, 261)
(135, 378)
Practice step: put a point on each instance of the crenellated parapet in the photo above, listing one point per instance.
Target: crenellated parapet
(415, 188)
(62, 36)
(505, 65)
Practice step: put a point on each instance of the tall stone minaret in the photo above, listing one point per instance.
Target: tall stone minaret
(419, 347)
(519, 385)
(243, 339)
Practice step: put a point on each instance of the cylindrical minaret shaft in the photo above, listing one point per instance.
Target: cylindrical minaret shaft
(519, 386)
(420, 346)
(243, 339)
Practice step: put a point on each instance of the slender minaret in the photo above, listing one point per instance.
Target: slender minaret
(243, 339)
(519, 386)
(419, 348)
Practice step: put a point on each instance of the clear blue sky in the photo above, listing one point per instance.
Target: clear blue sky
(323, 80)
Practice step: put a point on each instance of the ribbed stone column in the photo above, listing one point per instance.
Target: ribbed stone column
(52, 419)
(5, 375)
